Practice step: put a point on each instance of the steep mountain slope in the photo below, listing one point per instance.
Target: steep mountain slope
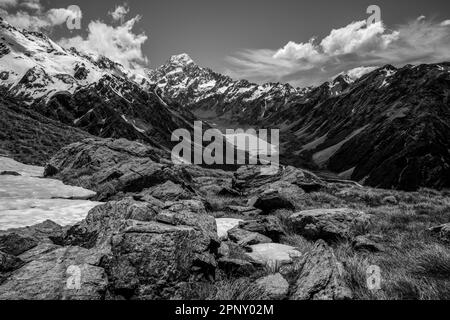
(92, 93)
(389, 129)
(212, 95)
(30, 137)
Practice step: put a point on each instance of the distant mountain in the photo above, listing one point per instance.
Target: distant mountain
(88, 92)
(389, 128)
(212, 95)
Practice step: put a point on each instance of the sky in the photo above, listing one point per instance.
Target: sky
(300, 42)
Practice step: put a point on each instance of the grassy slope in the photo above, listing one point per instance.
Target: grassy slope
(30, 137)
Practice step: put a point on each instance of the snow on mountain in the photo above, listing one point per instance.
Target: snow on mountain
(183, 81)
(33, 66)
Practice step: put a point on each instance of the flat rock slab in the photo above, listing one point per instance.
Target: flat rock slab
(273, 253)
(224, 225)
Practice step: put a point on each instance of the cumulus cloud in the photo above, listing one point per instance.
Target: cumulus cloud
(119, 43)
(30, 15)
(119, 13)
(344, 49)
(8, 3)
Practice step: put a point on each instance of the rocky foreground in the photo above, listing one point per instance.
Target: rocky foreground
(184, 232)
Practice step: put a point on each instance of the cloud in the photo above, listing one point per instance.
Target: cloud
(119, 13)
(357, 37)
(8, 3)
(344, 49)
(31, 15)
(358, 72)
(31, 5)
(119, 43)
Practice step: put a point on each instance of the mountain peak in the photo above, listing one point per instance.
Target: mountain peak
(181, 59)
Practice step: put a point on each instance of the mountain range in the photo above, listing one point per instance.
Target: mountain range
(389, 128)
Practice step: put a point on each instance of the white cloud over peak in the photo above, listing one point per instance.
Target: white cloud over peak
(31, 15)
(119, 43)
(344, 49)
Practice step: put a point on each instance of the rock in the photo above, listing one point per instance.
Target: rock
(389, 200)
(224, 225)
(273, 254)
(311, 186)
(321, 277)
(366, 243)
(329, 224)
(16, 244)
(224, 250)
(167, 191)
(245, 211)
(249, 180)
(9, 173)
(274, 285)
(246, 238)
(149, 259)
(269, 226)
(9, 262)
(114, 167)
(271, 200)
(236, 267)
(442, 231)
(47, 277)
(191, 213)
(102, 221)
(226, 191)
(41, 232)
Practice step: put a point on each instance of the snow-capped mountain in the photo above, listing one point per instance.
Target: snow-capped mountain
(89, 92)
(208, 93)
(33, 66)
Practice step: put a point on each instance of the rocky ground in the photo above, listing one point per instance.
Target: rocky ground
(184, 232)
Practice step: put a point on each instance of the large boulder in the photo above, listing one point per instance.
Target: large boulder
(150, 259)
(113, 168)
(271, 200)
(16, 244)
(168, 191)
(9, 262)
(104, 220)
(329, 224)
(250, 180)
(247, 238)
(70, 273)
(321, 277)
(270, 226)
(149, 248)
(41, 232)
(274, 285)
